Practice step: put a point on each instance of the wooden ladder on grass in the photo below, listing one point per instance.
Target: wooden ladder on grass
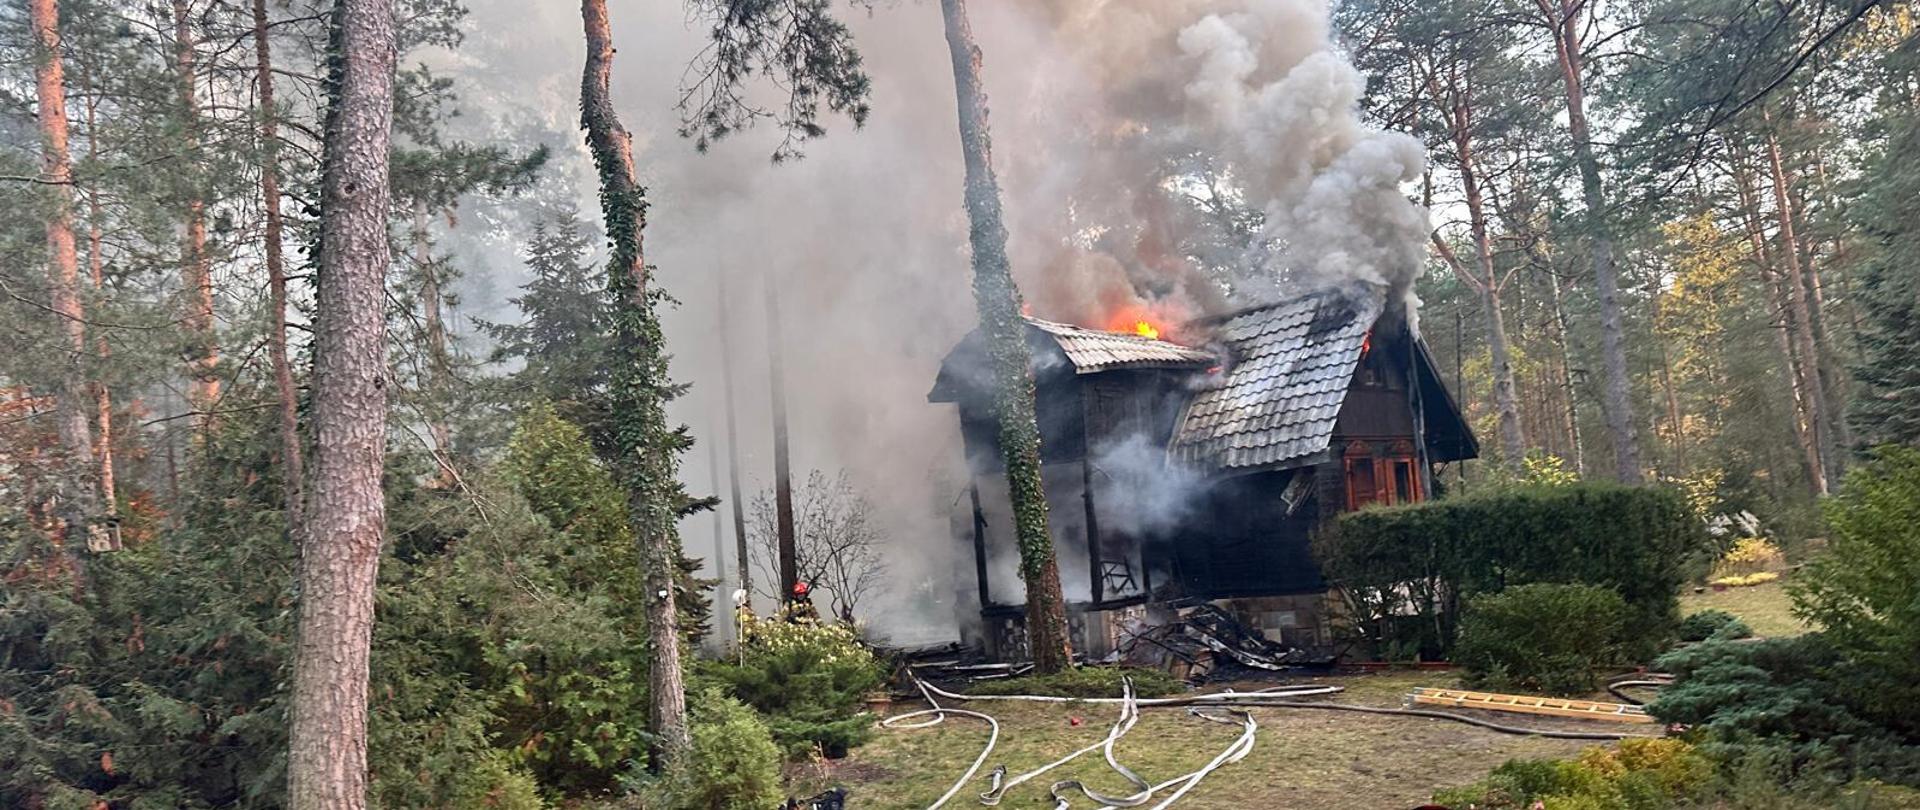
(1529, 704)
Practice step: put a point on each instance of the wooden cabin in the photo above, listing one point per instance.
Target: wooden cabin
(1177, 473)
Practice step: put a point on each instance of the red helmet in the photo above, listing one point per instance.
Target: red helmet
(801, 588)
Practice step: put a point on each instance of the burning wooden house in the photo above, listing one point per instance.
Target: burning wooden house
(1181, 474)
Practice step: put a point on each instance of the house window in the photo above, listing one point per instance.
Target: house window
(1384, 475)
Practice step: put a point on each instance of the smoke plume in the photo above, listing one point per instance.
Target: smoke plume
(1160, 159)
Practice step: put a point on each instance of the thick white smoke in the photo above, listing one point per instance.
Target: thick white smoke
(1129, 135)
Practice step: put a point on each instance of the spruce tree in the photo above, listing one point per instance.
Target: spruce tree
(1886, 406)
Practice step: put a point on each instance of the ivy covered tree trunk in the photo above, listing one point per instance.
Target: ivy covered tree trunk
(286, 398)
(646, 447)
(63, 277)
(998, 300)
(340, 554)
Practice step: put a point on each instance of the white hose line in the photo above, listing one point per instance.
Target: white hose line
(1277, 692)
(1129, 715)
(940, 715)
(1143, 791)
(1233, 753)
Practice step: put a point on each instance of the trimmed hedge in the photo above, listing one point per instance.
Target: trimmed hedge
(1405, 570)
(1543, 637)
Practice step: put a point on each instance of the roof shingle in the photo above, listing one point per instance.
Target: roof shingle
(1094, 350)
(1279, 400)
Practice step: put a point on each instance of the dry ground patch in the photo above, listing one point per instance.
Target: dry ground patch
(1302, 758)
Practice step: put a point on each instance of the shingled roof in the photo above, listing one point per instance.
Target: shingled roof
(1095, 350)
(1276, 405)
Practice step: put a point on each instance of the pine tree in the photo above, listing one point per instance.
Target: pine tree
(645, 448)
(998, 300)
(1886, 407)
(559, 340)
(327, 739)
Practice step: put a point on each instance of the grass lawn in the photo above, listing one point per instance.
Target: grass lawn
(1301, 757)
(1764, 607)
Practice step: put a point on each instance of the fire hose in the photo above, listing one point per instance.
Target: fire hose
(939, 714)
(1129, 715)
(1279, 697)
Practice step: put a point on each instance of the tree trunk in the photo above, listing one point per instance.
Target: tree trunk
(292, 469)
(1561, 332)
(740, 557)
(196, 278)
(63, 281)
(434, 396)
(782, 464)
(327, 738)
(640, 431)
(1506, 400)
(998, 301)
(1804, 344)
(1617, 395)
(1782, 335)
(97, 270)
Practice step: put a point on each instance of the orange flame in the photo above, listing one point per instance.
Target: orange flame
(1146, 329)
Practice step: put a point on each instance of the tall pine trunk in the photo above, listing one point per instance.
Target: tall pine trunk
(998, 301)
(1783, 334)
(1808, 350)
(97, 271)
(292, 469)
(741, 560)
(340, 555)
(1617, 388)
(196, 278)
(439, 360)
(640, 386)
(63, 280)
(789, 551)
(1562, 340)
(1506, 400)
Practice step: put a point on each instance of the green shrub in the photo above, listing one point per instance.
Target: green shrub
(495, 784)
(1788, 704)
(1639, 774)
(1542, 637)
(733, 765)
(1865, 590)
(1406, 570)
(1084, 682)
(1713, 623)
(808, 679)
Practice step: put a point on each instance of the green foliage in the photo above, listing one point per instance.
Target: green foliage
(1865, 590)
(1544, 637)
(734, 763)
(1085, 682)
(1789, 703)
(1638, 774)
(1886, 405)
(1406, 569)
(799, 46)
(563, 316)
(807, 678)
(1708, 624)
